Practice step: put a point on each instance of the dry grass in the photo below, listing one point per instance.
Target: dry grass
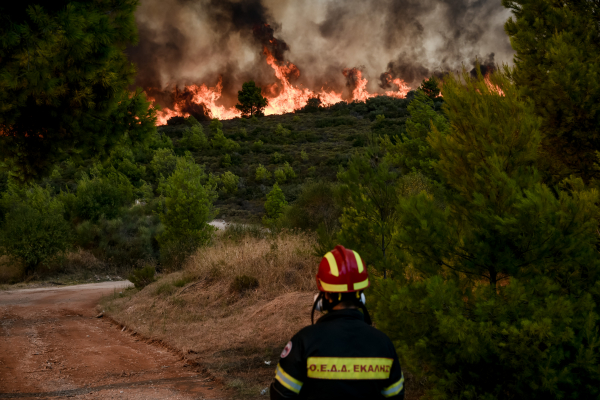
(229, 332)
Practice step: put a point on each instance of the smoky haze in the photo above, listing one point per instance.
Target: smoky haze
(184, 42)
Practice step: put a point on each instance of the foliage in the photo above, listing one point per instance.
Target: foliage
(194, 138)
(318, 205)
(34, 230)
(430, 88)
(280, 175)
(219, 141)
(312, 105)
(142, 277)
(163, 163)
(262, 174)
(413, 152)
(281, 131)
(188, 206)
(368, 221)
(303, 155)
(274, 206)
(251, 101)
(230, 182)
(503, 273)
(64, 83)
(102, 195)
(557, 48)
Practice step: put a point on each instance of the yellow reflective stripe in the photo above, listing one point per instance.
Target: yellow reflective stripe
(334, 288)
(361, 285)
(287, 380)
(394, 389)
(332, 264)
(348, 367)
(361, 267)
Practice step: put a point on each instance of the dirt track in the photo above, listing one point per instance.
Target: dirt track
(52, 346)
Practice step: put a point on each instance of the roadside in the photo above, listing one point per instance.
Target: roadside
(53, 345)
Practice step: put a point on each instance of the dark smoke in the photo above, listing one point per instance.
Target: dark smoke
(487, 66)
(184, 99)
(185, 42)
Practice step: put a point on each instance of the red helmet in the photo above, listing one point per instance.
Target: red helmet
(341, 271)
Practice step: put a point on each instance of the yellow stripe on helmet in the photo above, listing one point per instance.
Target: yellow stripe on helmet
(361, 285)
(332, 264)
(334, 288)
(361, 267)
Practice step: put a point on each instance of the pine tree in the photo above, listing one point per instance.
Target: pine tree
(557, 65)
(251, 101)
(495, 291)
(274, 206)
(64, 83)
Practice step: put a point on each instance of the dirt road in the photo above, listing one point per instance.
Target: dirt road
(52, 346)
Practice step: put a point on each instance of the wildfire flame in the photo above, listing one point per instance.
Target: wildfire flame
(283, 96)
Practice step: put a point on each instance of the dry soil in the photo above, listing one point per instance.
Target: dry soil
(53, 346)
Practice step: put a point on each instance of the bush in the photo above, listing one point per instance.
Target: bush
(281, 131)
(194, 138)
(262, 174)
(102, 195)
(142, 277)
(230, 182)
(274, 206)
(188, 206)
(34, 230)
(280, 175)
(243, 283)
(335, 121)
(256, 146)
(319, 204)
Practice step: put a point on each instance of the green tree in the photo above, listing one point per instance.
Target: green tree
(262, 174)
(430, 88)
(251, 101)
(274, 206)
(33, 230)
(494, 290)
(280, 176)
(188, 207)
(64, 83)
(281, 131)
(230, 182)
(368, 222)
(102, 195)
(557, 48)
(413, 152)
(163, 163)
(194, 138)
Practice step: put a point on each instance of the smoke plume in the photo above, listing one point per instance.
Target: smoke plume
(183, 42)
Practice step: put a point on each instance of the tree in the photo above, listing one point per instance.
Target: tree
(368, 222)
(413, 152)
(262, 174)
(34, 230)
(557, 48)
(230, 182)
(251, 101)
(187, 208)
(430, 88)
(64, 83)
(494, 293)
(194, 138)
(274, 206)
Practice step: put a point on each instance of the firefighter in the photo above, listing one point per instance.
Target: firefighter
(341, 356)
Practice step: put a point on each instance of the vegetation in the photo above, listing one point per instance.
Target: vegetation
(51, 107)
(251, 101)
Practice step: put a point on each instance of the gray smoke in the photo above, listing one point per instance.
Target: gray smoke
(183, 41)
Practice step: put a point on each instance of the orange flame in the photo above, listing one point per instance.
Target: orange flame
(283, 96)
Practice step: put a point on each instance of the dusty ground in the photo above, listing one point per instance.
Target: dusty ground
(52, 346)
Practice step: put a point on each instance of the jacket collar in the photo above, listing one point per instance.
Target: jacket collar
(348, 313)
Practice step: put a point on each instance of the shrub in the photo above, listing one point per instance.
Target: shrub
(288, 170)
(226, 161)
(219, 141)
(280, 175)
(243, 283)
(142, 277)
(303, 155)
(296, 118)
(230, 182)
(188, 206)
(276, 158)
(262, 174)
(281, 131)
(163, 163)
(102, 195)
(177, 120)
(335, 121)
(194, 138)
(256, 146)
(164, 288)
(34, 230)
(274, 206)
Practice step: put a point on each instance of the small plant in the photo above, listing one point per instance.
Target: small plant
(288, 170)
(296, 118)
(243, 283)
(164, 288)
(226, 161)
(230, 182)
(280, 175)
(184, 280)
(256, 146)
(303, 155)
(276, 158)
(274, 206)
(142, 277)
(281, 131)
(262, 174)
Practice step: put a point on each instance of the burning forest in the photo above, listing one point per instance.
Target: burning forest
(193, 58)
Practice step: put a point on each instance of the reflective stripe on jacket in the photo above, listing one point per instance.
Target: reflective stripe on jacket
(340, 357)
